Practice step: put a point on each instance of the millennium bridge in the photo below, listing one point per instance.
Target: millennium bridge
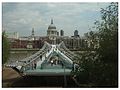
(48, 61)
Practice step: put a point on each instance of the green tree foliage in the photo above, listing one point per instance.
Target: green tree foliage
(108, 51)
(100, 69)
(88, 74)
(5, 48)
(108, 33)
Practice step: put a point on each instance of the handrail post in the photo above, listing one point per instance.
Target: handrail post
(65, 80)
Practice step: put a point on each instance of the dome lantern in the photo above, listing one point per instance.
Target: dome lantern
(51, 26)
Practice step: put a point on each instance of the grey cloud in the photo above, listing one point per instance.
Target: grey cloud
(21, 17)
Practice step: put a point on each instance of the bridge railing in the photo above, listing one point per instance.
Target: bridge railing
(40, 52)
(62, 45)
(29, 61)
(66, 60)
(64, 52)
(67, 52)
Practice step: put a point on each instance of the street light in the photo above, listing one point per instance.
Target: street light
(65, 80)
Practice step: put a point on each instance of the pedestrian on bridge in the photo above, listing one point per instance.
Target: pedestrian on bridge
(34, 65)
(41, 57)
(51, 62)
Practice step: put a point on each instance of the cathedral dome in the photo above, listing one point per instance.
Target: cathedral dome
(52, 30)
(52, 26)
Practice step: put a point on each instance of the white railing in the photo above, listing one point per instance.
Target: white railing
(29, 60)
(64, 48)
(46, 52)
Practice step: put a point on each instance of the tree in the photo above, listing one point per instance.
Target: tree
(101, 68)
(5, 48)
(108, 33)
(108, 41)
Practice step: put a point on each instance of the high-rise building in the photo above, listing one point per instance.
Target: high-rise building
(61, 33)
(76, 33)
(57, 33)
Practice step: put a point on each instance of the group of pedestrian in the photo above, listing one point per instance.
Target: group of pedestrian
(56, 62)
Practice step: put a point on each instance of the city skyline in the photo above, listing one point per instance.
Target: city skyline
(22, 17)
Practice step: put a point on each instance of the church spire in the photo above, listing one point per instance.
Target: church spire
(51, 21)
(32, 31)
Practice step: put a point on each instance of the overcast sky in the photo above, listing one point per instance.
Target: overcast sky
(22, 17)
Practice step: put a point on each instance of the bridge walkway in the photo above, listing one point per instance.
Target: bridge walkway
(40, 62)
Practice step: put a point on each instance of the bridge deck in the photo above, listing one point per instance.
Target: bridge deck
(47, 72)
(50, 60)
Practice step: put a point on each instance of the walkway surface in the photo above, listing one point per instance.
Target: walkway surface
(11, 78)
(48, 72)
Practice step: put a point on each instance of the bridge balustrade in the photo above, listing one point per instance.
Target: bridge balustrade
(66, 53)
(30, 60)
(41, 52)
(62, 45)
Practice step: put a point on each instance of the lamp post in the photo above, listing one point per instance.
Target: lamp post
(65, 80)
